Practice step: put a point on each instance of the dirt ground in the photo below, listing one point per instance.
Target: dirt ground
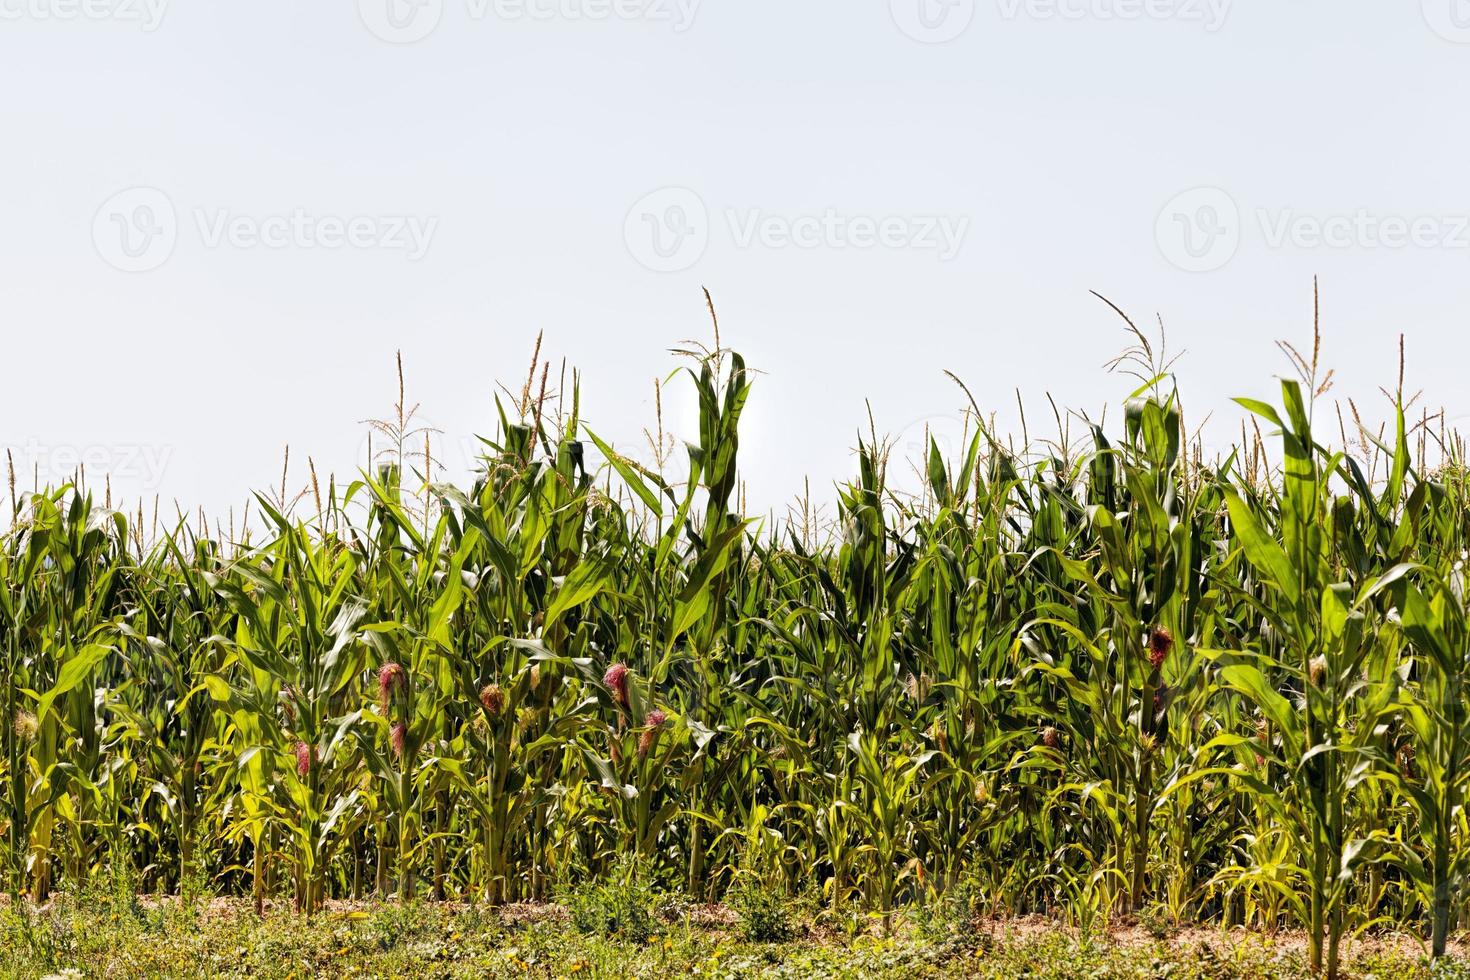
(1127, 933)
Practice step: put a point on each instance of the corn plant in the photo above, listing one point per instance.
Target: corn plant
(1082, 677)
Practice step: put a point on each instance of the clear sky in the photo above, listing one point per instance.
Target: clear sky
(221, 220)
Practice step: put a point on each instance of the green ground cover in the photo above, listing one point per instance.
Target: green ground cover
(117, 939)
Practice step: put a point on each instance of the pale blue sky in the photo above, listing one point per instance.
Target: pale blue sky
(869, 208)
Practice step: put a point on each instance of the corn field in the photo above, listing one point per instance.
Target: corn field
(1083, 676)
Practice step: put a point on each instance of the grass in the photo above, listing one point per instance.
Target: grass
(97, 938)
